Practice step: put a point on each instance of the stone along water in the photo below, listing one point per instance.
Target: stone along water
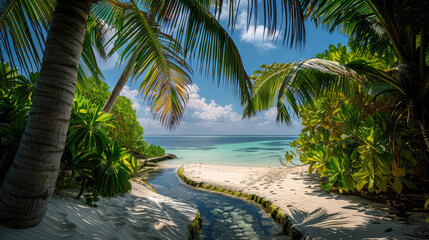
(224, 217)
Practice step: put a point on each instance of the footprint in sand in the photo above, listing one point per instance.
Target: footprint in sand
(65, 224)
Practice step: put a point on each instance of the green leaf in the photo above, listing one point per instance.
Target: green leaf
(361, 184)
(381, 182)
(370, 184)
(408, 183)
(103, 117)
(397, 185)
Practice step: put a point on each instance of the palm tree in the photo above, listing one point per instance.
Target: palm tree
(379, 27)
(149, 49)
(192, 26)
(30, 181)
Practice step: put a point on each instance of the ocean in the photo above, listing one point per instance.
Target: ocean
(244, 150)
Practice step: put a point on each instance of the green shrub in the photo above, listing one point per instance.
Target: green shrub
(112, 177)
(134, 166)
(76, 168)
(351, 145)
(88, 125)
(154, 151)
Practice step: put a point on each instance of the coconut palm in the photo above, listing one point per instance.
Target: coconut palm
(31, 179)
(149, 50)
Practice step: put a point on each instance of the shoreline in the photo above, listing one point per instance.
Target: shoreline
(141, 214)
(313, 212)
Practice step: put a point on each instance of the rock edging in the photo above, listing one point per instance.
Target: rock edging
(270, 208)
(194, 227)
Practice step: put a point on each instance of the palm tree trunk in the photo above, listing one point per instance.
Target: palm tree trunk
(30, 181)
(110, 102)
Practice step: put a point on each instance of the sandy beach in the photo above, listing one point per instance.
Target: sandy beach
(142, 214)
(313, 212)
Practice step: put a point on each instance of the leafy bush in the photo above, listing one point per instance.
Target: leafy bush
(88, 125)
(154, 151)
(134, 166)
(76, 166)
(352, 146)
(127, 130)
(112, 177)
(93, 156)
(14, 108)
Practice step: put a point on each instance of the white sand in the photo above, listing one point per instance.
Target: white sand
(313, 212)
(142, 214)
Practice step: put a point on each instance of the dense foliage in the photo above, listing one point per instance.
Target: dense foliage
(126, 130)
(351, 144)
(355, 134)
(99, 148)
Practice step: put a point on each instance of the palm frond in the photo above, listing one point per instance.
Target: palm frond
(23, 25)
(288, 86)
(376, 25)
(95, 40)
(205, 41)
(267, 81)
(157, 55)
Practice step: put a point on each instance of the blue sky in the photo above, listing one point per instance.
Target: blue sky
(213, 110)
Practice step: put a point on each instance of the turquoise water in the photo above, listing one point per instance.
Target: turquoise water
(253, 151)
(224, 217)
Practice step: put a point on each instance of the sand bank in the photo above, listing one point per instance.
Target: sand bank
(313, 212)
(143, 214)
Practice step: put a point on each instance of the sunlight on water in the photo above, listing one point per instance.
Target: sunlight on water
(254, 151)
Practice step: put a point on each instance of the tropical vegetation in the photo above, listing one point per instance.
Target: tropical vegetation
(349, 135)
(96, 156)
(364, 111)
(74, 31)
(156, 38)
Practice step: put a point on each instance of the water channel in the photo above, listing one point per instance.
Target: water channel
(223, 217)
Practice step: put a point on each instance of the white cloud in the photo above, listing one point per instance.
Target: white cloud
(255, 35)
(204, 116)
(199, 109)
(134, 96)
(150, 123)
(269, 117)
(258, 37)
(199, 112)
(270, 114)
(107, 64)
